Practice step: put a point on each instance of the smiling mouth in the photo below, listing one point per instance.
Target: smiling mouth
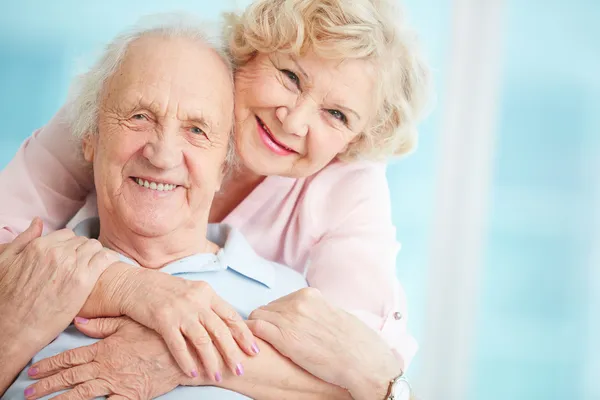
(274, 141)
(158, 186)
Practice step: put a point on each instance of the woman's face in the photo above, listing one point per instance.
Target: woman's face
(293, 115)
(164, 125)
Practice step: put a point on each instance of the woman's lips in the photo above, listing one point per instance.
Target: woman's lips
(270, 142)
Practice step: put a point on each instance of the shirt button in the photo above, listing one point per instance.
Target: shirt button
(397, 315)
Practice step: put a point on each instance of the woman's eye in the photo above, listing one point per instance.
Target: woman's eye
(291, 76)
(197, 131)
(338, 115)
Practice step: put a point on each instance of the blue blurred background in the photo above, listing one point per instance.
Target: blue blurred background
(530, 311)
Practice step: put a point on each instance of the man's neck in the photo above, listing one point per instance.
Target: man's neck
(158, 251)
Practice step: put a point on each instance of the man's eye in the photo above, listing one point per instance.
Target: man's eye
(291, 76)
(197, 131)
(140, 117)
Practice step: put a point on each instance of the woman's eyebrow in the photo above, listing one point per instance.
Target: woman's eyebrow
(302, 71)
(347, 110)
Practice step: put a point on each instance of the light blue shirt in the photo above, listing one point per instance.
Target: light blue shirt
(239, 275)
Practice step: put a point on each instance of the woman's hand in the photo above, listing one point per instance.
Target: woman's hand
(179, 309)
(132, 362)
(44, 282)
(328, 342)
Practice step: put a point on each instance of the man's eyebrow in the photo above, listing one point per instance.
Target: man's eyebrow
(201, 121)
(196, 117)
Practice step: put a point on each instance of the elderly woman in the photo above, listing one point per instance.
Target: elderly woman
(182, 143)
(319, 86)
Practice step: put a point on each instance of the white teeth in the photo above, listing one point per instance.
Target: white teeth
(161, 187)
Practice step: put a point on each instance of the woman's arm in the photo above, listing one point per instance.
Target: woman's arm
(353, 262)
(328, 342)
(47, 178)
(151, 371)
(183, 312)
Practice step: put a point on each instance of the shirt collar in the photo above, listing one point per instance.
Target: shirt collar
(237, 254)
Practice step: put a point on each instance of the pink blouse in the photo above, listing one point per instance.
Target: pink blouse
(334, 227)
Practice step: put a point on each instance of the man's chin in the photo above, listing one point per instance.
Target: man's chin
(152, 226)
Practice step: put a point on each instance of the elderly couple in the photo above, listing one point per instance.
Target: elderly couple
(212, 264)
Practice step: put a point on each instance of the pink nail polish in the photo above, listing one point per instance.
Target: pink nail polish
(29, 391)
(255, 348)
(194, 374)
(33, 371)
(218, 377)
(239, 370)
(81, 320)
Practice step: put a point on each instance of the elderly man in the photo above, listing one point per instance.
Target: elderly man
(154, 117)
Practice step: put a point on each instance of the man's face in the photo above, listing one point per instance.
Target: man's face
(164, 127)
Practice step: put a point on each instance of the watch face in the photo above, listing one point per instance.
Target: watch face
(401, 390)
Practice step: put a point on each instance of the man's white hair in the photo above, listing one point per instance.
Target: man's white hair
(86, 91)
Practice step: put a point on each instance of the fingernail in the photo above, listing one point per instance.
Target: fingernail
(194, 374)
(255, 348)
(33, 371)
(29, 391)
(239, 370)
(81, 320)
(218, 377)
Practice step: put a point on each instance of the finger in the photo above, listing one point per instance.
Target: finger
(268, 332)
(242, 335)
(103, 259)
(100, 327)
(34, 231)
(86, 251)
(202, 343)
(224, 342)
(65, 379)
(65, 360)
(270, 325)
(61, 235)
(177, 346)
(85, 391)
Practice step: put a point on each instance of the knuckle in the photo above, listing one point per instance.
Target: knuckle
(202, 340)
(86, 390)
(259, 326)
(37, 245)
(202, 287)
(220, 334)
(231, 317)
(95, 245)
(45, 384)
(69, 358)
(310, 293)
(70, 376)
(55, 254)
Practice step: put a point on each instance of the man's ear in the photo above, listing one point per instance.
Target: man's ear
(89, 147)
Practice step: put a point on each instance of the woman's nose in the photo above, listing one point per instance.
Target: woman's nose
(296, 119)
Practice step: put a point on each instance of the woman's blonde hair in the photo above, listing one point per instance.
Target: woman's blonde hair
(342, 29)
